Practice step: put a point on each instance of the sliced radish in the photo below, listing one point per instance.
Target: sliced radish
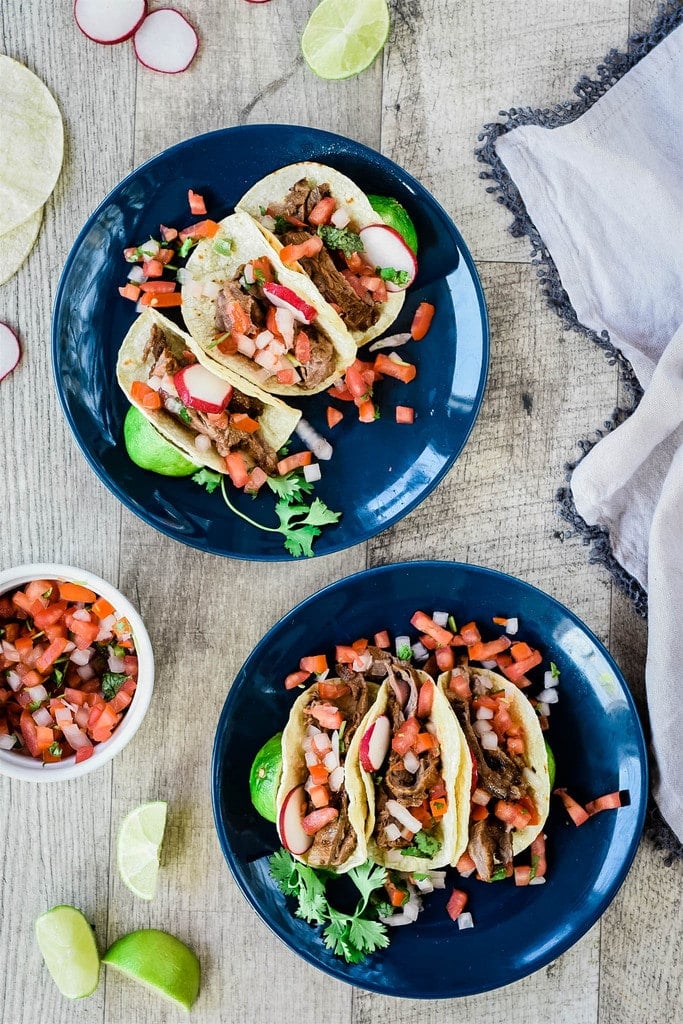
(200, 389)
(109, 21)
(291, 816)
(375, 744)
(166, 42)
(385, 248)
(285, 298)
(10, 350)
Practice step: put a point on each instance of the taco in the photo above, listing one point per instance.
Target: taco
(409, 754)
(252, 423)
(259, 319)
(294, 205)
(506, 781)
(320, 801)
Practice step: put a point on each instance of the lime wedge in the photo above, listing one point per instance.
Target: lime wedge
(343, 37)
(138, 845)
(68, 946)
(397, 217)
(159, 961)
(149, 450)
(264, 777)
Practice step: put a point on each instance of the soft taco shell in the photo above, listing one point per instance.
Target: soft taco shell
(277, 421)
(453, 829)
(295, 772)
(273, 189)
(535, 756)
(206, 264)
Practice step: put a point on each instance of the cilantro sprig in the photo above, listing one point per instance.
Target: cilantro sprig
(351, 936)
(341, 238)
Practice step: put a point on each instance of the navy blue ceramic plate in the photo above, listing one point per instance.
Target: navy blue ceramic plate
(595, 735)
(379, 472)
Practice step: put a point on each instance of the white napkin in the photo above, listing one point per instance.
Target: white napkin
(606, 195)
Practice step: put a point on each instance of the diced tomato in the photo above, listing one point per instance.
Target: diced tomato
(438, 807)
(21, 601)
(487, 651)
(294, 462)
(302, 348)
(345, 655)
(366, 412)
(86, 631)
(538, 851)
(130, 291)
(256, 480)
(445, 658)
(50, 655)
(382, 640)
(202, 229)
(515, 745)
(423, 814)
(286, 376)
(465, 865)
(158, 286)
(360, 645)
(319, 774)
(291, 253)
(322, 211)
(405, 414)
(245, 423)
(139, 390)
(478, 812)
(425, 699)
(50, 615)
(459, 684)
(425, 741)
(237, 468)
(470, 634)
(197, 204)
(608, 802)
(161, 301)
(355, 382)
(168, 234)
(83, 753)
(152, 268)
(397, 896)
(74, 696)
(132, 255)
(332, 690)
(522, 874)
(520, 651)
(400, 371)
(319, 796)
(334, 416)
(341, 393)
(528, 804)
(263, 267)
(29, 733)
(405, 735)
(355, 282)
(295, 679)
(422, 320)
(165, 255)
(511, 813)
(315, 663)
(518, 669)
(425, 624)
(456, 904)
(317, 819)
(327, 715)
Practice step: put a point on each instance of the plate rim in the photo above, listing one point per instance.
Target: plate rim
(567, 941)
(60, 301)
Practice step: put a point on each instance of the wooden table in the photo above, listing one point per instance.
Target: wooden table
(447, 69)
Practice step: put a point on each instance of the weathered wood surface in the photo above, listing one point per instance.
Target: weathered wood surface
(449, 67)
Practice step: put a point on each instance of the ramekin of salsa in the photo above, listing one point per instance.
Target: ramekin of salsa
(76, 672)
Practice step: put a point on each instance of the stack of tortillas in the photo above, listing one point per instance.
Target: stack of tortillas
(31, 151)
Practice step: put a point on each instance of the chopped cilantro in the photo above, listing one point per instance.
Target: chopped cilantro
(262, 210)
(290, 487)
(422, 846)
(534, 866)
(188, 244)
(112, 683)
(34, 705)
(224, 246)
(118, 651)
(48, 593)
(55, 749)
(259, 276)
(281, 225)
(399, 277)
(404, 653)
(340, 238)
(217, 340)
(184, 414)
(207, 478)
(499, 875)
(452, 625)
(554, 670)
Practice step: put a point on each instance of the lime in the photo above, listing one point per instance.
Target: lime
(264, 777)
(551, 764)
(343, 37)
(149, 450)
(159, 961)
(68, 946)
(397, 217)
(138, 845)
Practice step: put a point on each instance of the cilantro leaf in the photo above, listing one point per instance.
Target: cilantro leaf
(404, 653)
(554, 670)
(55, 749)
(224, 246)
(290, 487)
(34, 705)
(422, 846)
(300, 533)
(399, 277)
(341, 238)
(112, 683)
(184, 414)
(368, 877)
(207, 478)
(281, 225)
(498, 875)
(367, 936)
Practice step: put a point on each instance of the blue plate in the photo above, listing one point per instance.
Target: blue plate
(595, 735)
(379, 472)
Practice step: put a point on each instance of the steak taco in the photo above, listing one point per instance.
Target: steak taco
(313, 216)
(507, 786)
(259, 319)
(409, 754)
(321, 808)
(208, 413)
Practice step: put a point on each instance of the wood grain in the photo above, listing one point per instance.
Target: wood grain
(448, 68)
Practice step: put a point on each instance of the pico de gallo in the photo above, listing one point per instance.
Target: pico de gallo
(68, 670)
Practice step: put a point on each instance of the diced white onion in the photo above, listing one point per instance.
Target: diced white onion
(321, 448)
(312, 472)
(411, 762)
(321, 743)
(278, 348)
(402, 641)
(116, 664)
(488, 664)
(362, 662)
(75, 737)
(424, 884)
(550, 681)
(71, 646)
(335, 742)
(183, 276)
(322, 676)
(263, 339)
(465, 920)
(548, 696)
(438, 879)
(431, 727)
(284, 318)
(82, 615)
(150, 248)
(211, 289)
(397, 919)
(403, 816)
(542, 708)
(340, 218)
(139, 308)
(511, 626)
(86, 672)
(481, 726)
(331, 761)
(395, 341)
(486, 713)
(312, 730)
(37, 692)
(249, 275)
(63, 715)
(136, 274)
(420, 652)
(245, 345)
(42, 717)
(268, 222)
(10, 652)
(392, 832)
(336, 779)
(7, 741)
(173, 404)
(266, 359)
(489, 741)
(481, 684)
(481, 797)
(81, 716)
(14, 680)
(440, 618)
(311, 758)
(412, 908)
(202, 443)
(81, 657)
(537, 880)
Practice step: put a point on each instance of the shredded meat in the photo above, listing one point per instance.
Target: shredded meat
(230, 294)
(498, 772)
(490, 846)
(301, 199)
(356, 313)
(322, 362)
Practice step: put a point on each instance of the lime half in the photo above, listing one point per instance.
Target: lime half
(68, 946)
(397, 217)
(264, 777)
(343, 37)
(159, 961)
(138, 845)
(149, 450)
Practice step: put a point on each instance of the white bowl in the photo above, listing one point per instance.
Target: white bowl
(21, 766)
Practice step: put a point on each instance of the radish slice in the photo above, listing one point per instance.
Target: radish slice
(166, 42)
(385, 248)
(283, 297)
(10, 350)
(109, 21)
(200, 389)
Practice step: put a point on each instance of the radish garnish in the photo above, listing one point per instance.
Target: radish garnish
(200, 389)
(109, 21)
(10, 350)
(166, 42)
(285, 298)
(387, 250)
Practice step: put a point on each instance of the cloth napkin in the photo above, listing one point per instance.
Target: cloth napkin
(605, 193)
